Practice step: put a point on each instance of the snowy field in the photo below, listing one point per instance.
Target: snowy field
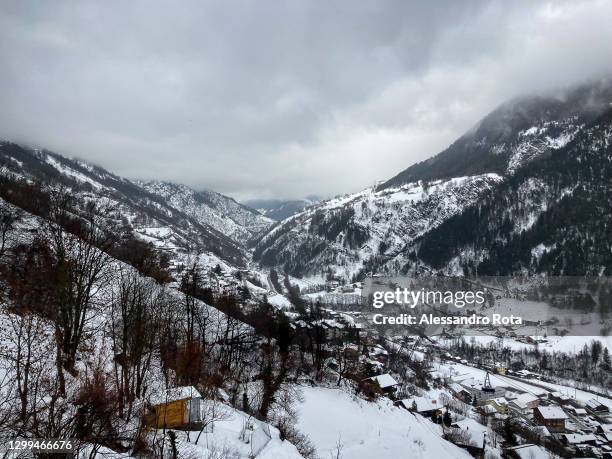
(368, 430)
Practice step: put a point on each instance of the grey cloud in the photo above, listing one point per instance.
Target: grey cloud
(282, 99)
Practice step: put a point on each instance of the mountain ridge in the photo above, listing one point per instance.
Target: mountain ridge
(391, 234)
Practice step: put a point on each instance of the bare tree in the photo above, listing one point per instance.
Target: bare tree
(276, 366)
(9, 217)
(78, 268)
(28, 346)
(347, 362)
(136, 311)
(336, 453)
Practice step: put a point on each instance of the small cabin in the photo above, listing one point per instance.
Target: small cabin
(178, 408)
(379, 384)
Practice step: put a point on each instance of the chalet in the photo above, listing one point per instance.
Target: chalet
(178, 408)
(559, 398)
(461, 393)
(596, 407)
(379, 353)
(551, 417)
(500, 369)
(536, 339)
(377, 385)
(524, 403)
(604, 428)
(333, 284)
(575, 411)
(333, 329)
(359, 330)
(523, 374)
(385, 381)
(425, 406)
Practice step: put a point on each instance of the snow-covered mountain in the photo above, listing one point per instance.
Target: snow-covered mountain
(515, 133)
(346, 235)
(528, 167)
(530, 162)
(172, 217)
(235, 220)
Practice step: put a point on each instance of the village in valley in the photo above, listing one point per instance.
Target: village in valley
(484, 402)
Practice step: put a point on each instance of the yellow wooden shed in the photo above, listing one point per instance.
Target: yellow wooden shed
(176, 408)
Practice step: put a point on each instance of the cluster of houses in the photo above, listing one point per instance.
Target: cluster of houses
(581, 429)
(336, 326)
(584, 429)
(337, 287)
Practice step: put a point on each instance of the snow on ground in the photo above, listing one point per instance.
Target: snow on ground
(227, 438)
(209, 260)
(460, 372)
(256, 289)
(239, 434)
(369, 429)
(531, 452)
(569, 344)
(476, 430)
(76, 175)
(280, 301)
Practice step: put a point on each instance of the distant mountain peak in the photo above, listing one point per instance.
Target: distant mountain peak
(516, 132)
(279, 209)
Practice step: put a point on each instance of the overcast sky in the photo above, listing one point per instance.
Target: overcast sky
(279, 99)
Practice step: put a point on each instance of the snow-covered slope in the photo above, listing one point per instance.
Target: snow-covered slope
(238, 436)
(366, 430)
(517, 132)
(170, 224)
(357, 232)
(223, 213)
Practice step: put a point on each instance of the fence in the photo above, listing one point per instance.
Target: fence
(260, 437)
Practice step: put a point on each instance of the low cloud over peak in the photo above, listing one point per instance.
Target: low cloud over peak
(255, 99)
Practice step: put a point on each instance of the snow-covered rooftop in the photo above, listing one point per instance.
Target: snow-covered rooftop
(530, 452)
(522, 400)
(475, 429)
(174, 394)
(422, 404)
(594, 404)
(576, 439)
(385, 381)
(552, 412)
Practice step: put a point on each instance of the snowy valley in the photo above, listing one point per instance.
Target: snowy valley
(148, 319)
